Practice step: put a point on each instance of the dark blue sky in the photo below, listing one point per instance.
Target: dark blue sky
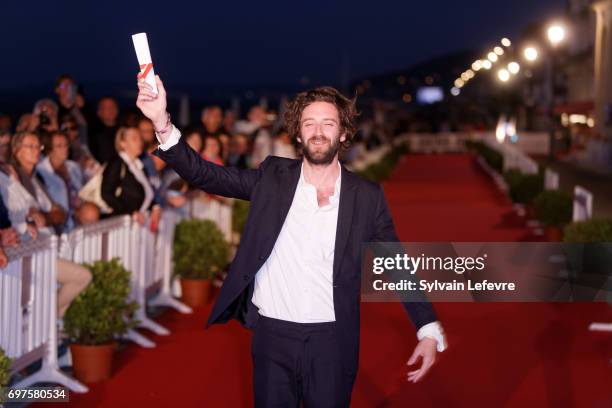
(245, 43)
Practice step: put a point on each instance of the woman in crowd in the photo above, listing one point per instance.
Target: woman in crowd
(125, 186)
(33, 213)
(212, 150)
(153, 165)
(62, 177)
(210, 206)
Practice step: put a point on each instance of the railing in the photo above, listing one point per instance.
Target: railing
(583, 204)
(145, 254)
(436, 142)
(28, 312)
(513, 157)
(454, 142)
(551, 180)
(367, 158)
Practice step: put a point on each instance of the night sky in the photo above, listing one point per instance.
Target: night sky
(228, 43)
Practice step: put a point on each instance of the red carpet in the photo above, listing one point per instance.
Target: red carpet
(511, 355)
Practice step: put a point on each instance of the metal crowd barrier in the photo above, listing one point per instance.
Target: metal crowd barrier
(145, 254)
(583, 204)
(28, 312)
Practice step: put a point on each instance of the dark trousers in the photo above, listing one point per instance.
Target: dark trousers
(297, 363)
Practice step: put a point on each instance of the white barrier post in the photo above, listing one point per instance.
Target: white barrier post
(165, 239)
(28, 329)
(551, 180)
(143, 246)
(583, 204)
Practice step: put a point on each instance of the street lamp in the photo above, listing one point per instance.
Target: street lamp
(503, 75)
(531, 54)
(514, 67)
(506, 42)
(556, 34)
(492, 56)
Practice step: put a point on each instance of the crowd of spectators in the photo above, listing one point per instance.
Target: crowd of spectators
(70, 162)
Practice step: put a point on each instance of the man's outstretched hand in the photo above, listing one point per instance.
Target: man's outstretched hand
(426, 350)
(152, 105)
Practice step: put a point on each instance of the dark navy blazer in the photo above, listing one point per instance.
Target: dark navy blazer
(363, 216)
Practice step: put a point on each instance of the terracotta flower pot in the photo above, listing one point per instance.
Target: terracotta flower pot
(554, 233)
(92, 363)
(195, 292)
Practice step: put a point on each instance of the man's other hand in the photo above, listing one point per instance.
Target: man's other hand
(426, 350)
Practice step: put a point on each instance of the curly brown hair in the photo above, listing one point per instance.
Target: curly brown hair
(346, 111)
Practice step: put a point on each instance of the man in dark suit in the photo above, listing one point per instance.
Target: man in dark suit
(295, 280)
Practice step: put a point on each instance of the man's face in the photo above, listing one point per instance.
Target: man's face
(212, 118)
(64, 89)
(147, 131)
(320, 132)
(257, 115)
(108, 111)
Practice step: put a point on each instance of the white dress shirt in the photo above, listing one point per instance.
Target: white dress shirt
(296, 281)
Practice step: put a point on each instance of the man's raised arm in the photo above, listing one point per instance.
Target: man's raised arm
(212, 178)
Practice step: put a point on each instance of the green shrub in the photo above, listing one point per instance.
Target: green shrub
(240, 212)
(103, 310)
(512, 178)
(526, 188)
(200, 250)
(593, 230)
(554, 207)
(472, 144)
(494, 159)
(5, 371)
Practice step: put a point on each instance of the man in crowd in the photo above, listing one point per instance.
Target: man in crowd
(102, 134)
(212, 121)
(66, 90)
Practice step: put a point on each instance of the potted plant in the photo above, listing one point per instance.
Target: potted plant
(5, 372)
(200, 251)
(593, 230)
(554, 209)
(96, 317)
(525, 189)
(512, 178)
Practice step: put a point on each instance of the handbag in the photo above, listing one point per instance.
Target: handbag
(92, 190)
